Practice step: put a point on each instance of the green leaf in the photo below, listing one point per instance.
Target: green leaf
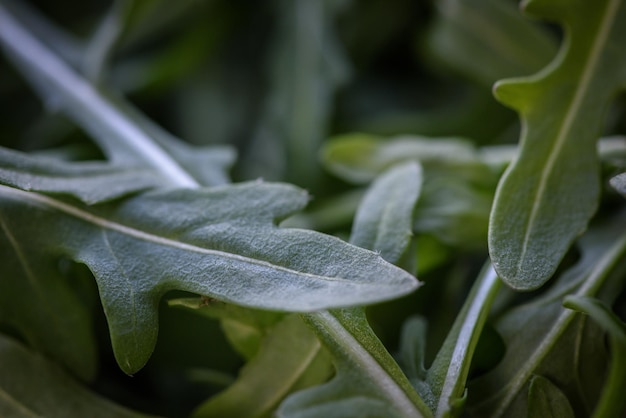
(359, 158)
(547, 196)
(547, 400)
(290, 358)
(368, 382)
(384, 221)
(487, 40)
(91, 182)
(307, 65)
(443, 385)
(123, 134)
(619, 183)
(543, 338)
(217, 242)
(32, 386)
(612, 402)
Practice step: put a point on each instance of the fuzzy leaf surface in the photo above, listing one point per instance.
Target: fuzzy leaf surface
(367, 383)
(219, 242)
(539, 335)
(547, 196)
(384, 221)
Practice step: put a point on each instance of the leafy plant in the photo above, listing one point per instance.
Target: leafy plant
(266, 264)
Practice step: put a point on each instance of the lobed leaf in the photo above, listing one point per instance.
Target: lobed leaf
(547, 196)
(217, 242)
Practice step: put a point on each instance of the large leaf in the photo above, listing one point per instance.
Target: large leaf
(32, 386)
(540, 334)
(368, 383)
(547, 196)
(218, 242)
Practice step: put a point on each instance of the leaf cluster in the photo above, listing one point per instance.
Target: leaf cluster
(422, 220)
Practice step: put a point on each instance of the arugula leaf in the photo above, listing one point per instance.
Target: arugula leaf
(124, 134)
(32, 386)
(217, 242)
(293, 357)
(547, 196)
(368, 382)
(612, 402)
(384, 220)
(540, 335)
(306, 68)
(442, 386)
(487, 40)
(547, 400)
(91, 182)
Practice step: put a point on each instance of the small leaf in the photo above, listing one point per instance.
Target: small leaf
(384, 220)
(547, 400)
(368, 382)
(443, 385)
(217, 242)
(32, 386)
(91, 182)
(290, 358)
(547, 196)
(487, 40)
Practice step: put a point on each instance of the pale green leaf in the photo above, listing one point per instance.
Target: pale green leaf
(368, 382)
(547, 196)
(290, 358)
(487, 40)
(32, 386)
(384, 220)
(218, 242)
(547, 400)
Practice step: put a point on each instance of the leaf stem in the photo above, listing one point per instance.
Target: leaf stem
(62, 86)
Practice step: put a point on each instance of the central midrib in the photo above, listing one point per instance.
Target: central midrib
(570, 116)
(141, 235)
